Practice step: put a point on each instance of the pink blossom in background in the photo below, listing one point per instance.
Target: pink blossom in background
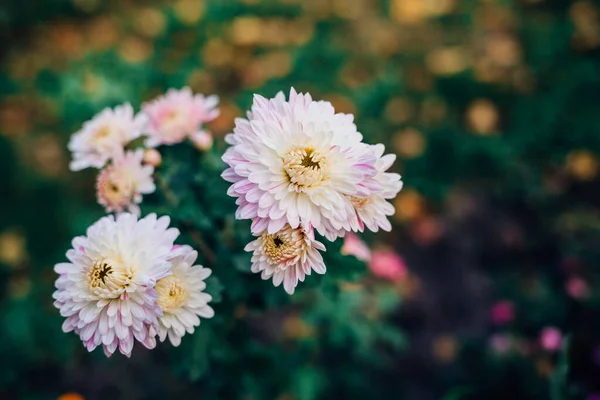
(152, 157)
(502, 312)
(177, 115)
(354, 246)
(551, 338)
(386, 264)
(577, 288)
(202, 140)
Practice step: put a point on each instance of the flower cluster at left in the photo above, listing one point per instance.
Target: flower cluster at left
(127, 174)
(127, 281)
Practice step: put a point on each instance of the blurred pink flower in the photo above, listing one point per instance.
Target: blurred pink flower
(176, 115)
(202, 140)
(502, 312)
(577, 288)
(386, 264)
(551, 338)
(353, 246)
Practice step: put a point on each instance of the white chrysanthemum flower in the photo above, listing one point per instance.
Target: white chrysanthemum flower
(177, 115)
(106, 291)
(373, 211)
(181, 297)
(297, 161)
(287, 256)
(120, 185)
(104, 136)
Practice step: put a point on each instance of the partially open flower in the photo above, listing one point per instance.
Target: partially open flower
(287, 256)
(120, 186)
(181, 297)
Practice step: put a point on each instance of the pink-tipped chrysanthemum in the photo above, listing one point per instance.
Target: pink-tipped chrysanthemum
(373, 210)
(181, 297)
(287, 256)
(104, 136)
(177, 115)
(106, 290)
(120, 185)
(297, 161)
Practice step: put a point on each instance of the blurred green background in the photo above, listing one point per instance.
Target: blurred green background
(493, 108)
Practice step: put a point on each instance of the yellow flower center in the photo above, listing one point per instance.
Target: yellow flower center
(172, 293)
(305, 167)
(358, 202)
(102, 133)
(108, 278)
(284, 245)
(115, 188)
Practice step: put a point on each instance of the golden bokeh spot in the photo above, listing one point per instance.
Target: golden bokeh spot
(416, 11)
(246, 30)
(409, 11)
(189, 12)
(399, 110)
(444, 348)
(14, 118)
(150, 22)
(49, 156)
(342, 104)
(12, 248)
(295, 327)
(217, 53)
(482, 117)
(409, 143)
(134, 49)
(102, 32)
(71, 396)
(87, 6)
(409, 205)
(201, 81)
(503, 50)
(446, 61)
(584, 15)
(66, 39)
(582, 165)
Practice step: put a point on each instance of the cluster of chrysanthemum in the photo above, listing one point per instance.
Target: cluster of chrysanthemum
(297, 166)
(126, 280)
(126, 174)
